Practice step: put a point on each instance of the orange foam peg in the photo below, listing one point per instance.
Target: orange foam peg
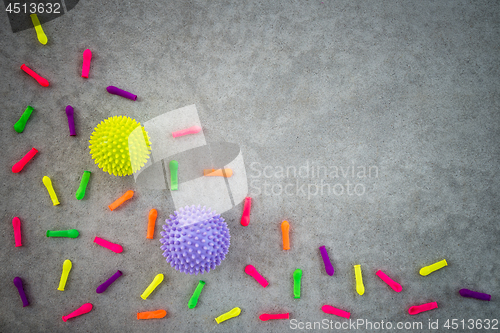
(151, 314)
(151, 223)
(218, 172)
(285, 229)
(121, 200)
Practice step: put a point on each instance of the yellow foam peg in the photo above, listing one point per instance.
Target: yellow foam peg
(360, 287)
(228, 315)
(156, 281)
(64, 276)
(42, 38)
(424, 271)
(48, 184)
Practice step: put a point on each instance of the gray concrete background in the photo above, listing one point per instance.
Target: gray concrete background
(411, 87)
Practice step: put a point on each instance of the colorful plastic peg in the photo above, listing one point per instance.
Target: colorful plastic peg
(267, 316)
(250, 270)
(151, 314)
(297, 277)
(285, 231)
(87, 56)
(102, 288)
(71, 233)
(110, 246)
(174, 180)
(393, 284)
(326, 260)
(80, 193)
(128, 195)
(85, 308)
(151, 223)
(117, 91)
(416, 309)
(20, 165)
(156, 281)
(71, 120)
(334, 311)
(65, 272)
(21, 123)
(42, 38)
(474, 294)
(245, 218)
(360, 287)
(42, 81)
(48, 184)
(194, 299)
(19, 285)
(424, 271)
(190, 130)
(16, 223)
(226, 172)
(228, 315)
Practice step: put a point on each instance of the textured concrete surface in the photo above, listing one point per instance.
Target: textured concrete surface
(408, 88)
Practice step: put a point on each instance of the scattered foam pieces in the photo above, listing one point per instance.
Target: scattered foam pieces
(151, 223)
(85, 308)
(228, 315)
(360, 287)
(226, 172)
(174, 179)
(268, 316)
(474, 294)
(23, 161)
(71, 120)
(21, 123)
(117, 91)
(157, 314)
(42, 81)
(102, 288)
(285, 230)
(71, 233)
(65, 273)
(16, 223)
(110, 246)
(118, 202)
(19, 285)
(245, 218)
(48, 184)
(80, 193)
(297, 277)
(393, 284)
(190, 130)
(326, 260)
(250, 270)
(416, 309)
(193, 301)
(156, 281)
(334, 311)
(87, 56)
(42, 37)
(424, 271)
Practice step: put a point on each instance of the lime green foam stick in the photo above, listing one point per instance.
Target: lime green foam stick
(80, 193)
(297, 276)
(21, 123)
(174, 182)
(194, 299)
(72, 233)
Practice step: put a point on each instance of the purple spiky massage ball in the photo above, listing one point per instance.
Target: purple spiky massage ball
(195, 240)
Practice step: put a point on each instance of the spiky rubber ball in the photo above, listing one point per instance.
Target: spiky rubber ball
(120, 145)
(195, 240)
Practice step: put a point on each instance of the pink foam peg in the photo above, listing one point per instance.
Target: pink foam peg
(393, 284)
(16, 223)
(268, 316)
(87, 55)
(245, 218)
(190, 130)
(85, 308)
(250, 270)
(416, 309)
(334, 311)
(111, 246)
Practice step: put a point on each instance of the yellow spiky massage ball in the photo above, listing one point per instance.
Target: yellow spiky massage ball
(120, 145)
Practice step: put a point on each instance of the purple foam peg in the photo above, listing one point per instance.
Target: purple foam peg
(108, 282)
(19, 284)
(71, 120)
(474, 294)
(326, 259)
(117, 91)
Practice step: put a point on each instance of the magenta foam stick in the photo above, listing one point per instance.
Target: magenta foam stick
(85, 308)
(416, 309)
(42, 81)
(20, 165)
(245, 218)
(16, 223)
(102, 288)
(190, 130)
(393, 284)
(71, 120)
(334, 311)
(472, 294)
(326, 260)
(268, 316)
(117, 91)
(250, 270)
(19, 285)
(111, 246)
(87, 55)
